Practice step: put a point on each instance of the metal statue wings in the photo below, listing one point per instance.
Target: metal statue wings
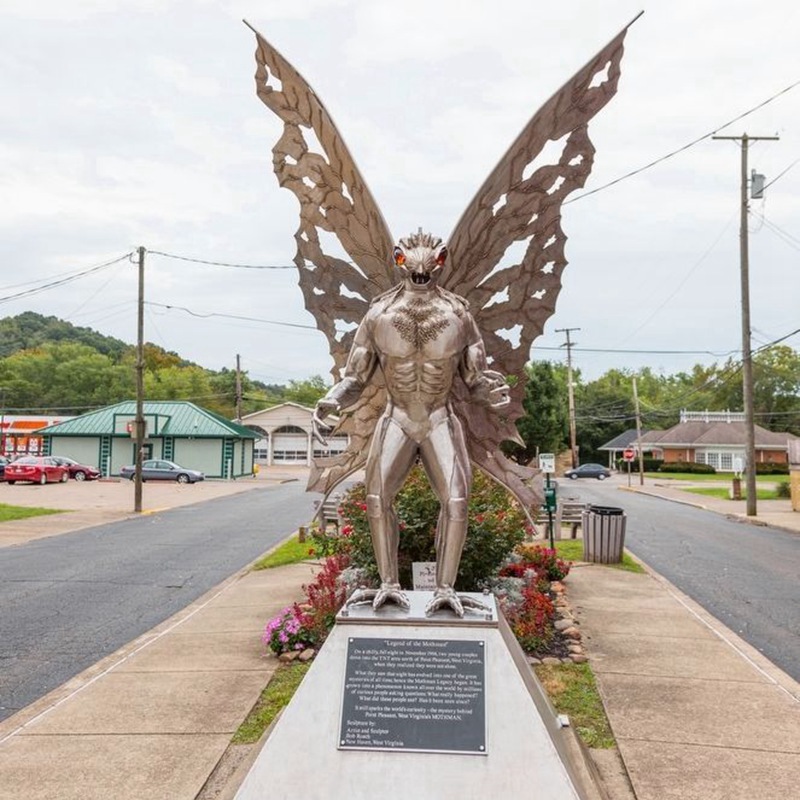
(517, 208)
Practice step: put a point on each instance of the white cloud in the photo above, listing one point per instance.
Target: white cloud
(129, 123)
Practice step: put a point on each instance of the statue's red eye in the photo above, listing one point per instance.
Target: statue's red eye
(399, 257)
(440, 259)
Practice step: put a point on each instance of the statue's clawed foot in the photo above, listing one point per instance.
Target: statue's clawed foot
(446, 597)
(388, 592)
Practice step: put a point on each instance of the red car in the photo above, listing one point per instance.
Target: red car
(81, 472)
(36, 469)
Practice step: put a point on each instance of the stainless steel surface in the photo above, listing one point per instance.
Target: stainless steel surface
(416, 614)
(423, 374)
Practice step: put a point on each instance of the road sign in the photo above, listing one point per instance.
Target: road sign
(547, 462)
(629, 454)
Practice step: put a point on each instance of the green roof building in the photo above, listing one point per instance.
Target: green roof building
(175, 431)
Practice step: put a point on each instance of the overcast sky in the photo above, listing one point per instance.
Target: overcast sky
(137, 123)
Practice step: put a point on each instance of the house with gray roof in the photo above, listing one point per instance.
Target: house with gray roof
(175, 430)
(717, 438)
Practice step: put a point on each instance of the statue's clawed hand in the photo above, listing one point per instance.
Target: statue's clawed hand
(495, 389)
(319, 428)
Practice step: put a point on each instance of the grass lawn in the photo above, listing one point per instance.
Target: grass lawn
(290, 552)
(572, 550)
(724, 494)
(8, 513)
(573, 691)
(720, 477)
(278, 693)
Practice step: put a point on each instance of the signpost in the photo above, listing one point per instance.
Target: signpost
(629, 454)
(547, 464)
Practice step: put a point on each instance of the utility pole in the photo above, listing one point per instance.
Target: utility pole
(238, 390)
(573, 444)
(139, 423)
(638, 433)
(747, 356)
(2, 420)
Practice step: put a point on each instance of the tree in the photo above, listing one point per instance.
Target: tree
(306, 393)
(604, 408)
(544, 427)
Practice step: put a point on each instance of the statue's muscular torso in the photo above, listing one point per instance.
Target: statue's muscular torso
(421, 340)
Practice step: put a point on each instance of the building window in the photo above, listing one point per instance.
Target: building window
(290, 455)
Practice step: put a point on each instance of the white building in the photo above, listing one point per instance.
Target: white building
(287, 438)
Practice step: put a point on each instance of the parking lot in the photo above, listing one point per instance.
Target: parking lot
(95, 502)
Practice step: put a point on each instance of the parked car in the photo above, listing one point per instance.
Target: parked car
(588, 471)
(158, 470)
(3, 462)
(81, 472)
(36, 469)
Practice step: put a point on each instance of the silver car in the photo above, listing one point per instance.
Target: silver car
(159, 470)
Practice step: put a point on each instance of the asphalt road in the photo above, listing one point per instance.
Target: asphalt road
(745, 575)
(69, 600)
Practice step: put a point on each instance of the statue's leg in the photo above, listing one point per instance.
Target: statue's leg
(390, 458)
(446, 461)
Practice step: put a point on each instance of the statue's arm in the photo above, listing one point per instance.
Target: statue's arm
(486, 385)
(361, 363)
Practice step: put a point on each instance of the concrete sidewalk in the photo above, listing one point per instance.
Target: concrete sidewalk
(696, 712)
(152, 720)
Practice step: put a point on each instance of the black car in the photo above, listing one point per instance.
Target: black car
(3, 462)
(588, 471)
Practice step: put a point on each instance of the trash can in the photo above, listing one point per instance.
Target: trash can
(603, 534)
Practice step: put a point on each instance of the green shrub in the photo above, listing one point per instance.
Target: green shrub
(497, 525)
(687, 466)
(783, 489)
(650, 464)
(772, 469)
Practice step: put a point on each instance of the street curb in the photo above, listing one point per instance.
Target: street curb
(759, 523)
(755, 657)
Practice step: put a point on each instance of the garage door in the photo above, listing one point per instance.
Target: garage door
(289, 448)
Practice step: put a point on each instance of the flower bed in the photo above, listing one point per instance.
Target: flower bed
(523, 576)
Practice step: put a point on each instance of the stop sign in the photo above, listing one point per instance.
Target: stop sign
(628, 454)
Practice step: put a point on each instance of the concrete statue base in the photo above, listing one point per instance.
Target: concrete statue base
(400, 705)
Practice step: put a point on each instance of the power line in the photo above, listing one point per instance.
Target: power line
(230, 316)
(220, 263)
(683, 282)
(780, 175)
(781, 234)
(641, 352)
(685, 147)
(63, 281)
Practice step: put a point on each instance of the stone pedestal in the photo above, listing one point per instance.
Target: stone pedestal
(526, 752)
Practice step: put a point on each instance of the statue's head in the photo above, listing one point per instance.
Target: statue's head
(420, 257)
